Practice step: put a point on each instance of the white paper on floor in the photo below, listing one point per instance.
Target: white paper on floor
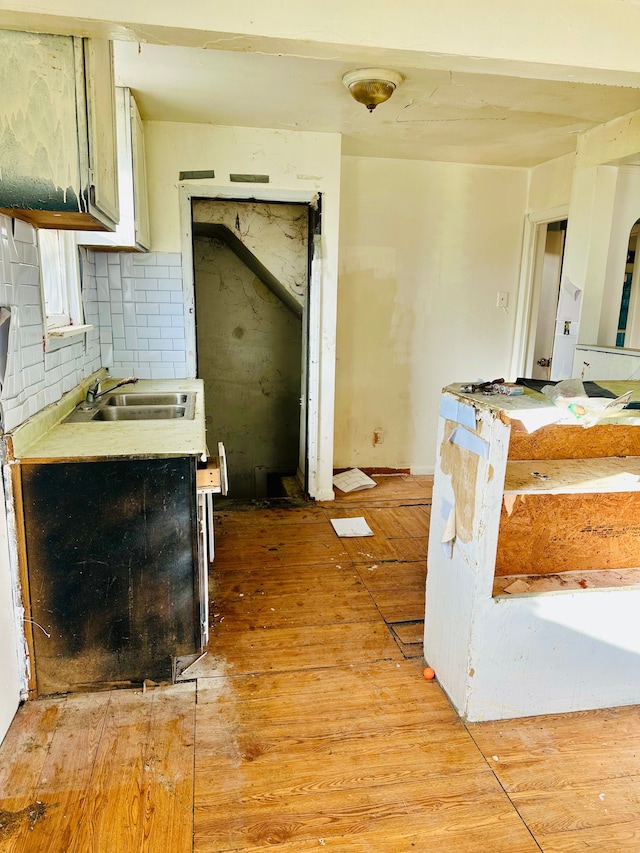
(351, 527)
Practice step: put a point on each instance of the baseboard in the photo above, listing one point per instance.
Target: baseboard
(380, 472)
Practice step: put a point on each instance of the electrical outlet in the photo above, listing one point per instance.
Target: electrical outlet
(378, 437)
(503, 299)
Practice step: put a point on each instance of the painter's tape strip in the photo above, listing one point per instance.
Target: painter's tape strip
(454, 410)
(463, 438)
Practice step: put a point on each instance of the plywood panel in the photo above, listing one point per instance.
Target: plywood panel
(574, 442)
(564, 533)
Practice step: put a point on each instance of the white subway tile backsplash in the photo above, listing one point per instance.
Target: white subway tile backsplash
(128, 289)
(23, 232)
(147, 308)
(169, 259)
(27, 274)
(171, 308)
(145, 259)
(118, 325)
(104, 313)
(156, 272)
(147, 284)
(102, 264)
(129, 314)
(158, 320)
(126, 264)
(160, 343)
(103, 288)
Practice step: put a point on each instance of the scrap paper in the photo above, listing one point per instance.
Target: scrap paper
(351, 527)
(353, 481)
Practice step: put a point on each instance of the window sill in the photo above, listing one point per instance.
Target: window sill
(57, 336)
(67, 331)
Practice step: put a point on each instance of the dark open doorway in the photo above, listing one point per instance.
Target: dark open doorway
(251, 284)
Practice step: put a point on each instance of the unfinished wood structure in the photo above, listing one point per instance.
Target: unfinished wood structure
(534, 566)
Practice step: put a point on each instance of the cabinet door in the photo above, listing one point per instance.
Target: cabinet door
(101, 111)
(140, 198)
(111, 549)
(40, 159)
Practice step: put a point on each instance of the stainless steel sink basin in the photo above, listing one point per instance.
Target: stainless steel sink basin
(139, 413)
(136, 406)
(139, 398)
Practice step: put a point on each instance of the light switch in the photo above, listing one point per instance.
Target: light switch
(503, 299)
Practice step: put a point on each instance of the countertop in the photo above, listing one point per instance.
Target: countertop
(46, 438)
(534, 409)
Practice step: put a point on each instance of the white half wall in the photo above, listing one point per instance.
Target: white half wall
(424, 250)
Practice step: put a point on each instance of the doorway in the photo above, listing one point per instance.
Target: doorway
(546, 275)
(251, 275)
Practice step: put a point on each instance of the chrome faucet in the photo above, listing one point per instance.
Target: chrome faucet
(93, 391)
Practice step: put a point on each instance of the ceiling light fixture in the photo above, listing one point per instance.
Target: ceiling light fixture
(372, 86)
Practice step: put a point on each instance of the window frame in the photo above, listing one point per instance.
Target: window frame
(60, 284)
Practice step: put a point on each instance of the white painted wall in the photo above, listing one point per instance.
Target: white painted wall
(550, 184)
(298, 165)
(424, 250)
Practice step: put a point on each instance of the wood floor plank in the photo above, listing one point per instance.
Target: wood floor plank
(228, 521)
(605, 803)
(390, 490)
(24, 753)
(62, 788)
(168, 787)
(114, 816)
(401, 605)
(280, 547)
(310, 814)
(393, 575)
(389, 522)
(275, 597)
(624, 838)
(409, 632)
(316, 646)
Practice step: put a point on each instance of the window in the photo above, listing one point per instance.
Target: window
(60, 277)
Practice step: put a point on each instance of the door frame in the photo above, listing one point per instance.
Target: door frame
(526, 318)
(319, 419)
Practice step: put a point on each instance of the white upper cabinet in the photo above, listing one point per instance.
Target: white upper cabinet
(132, 232)
(57, 131)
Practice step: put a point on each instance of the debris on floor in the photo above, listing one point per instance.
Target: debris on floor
(353, 480)
(351, 526)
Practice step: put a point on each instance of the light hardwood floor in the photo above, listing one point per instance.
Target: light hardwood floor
(309, 725)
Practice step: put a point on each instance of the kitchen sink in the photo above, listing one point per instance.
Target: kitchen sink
(139, 413)
(136, 407)
(141, 399)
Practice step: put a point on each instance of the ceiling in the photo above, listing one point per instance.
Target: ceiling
(435, 115)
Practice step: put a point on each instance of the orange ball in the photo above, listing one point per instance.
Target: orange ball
(429, 673)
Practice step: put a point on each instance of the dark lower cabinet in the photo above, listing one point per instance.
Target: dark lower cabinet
(113, 570)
